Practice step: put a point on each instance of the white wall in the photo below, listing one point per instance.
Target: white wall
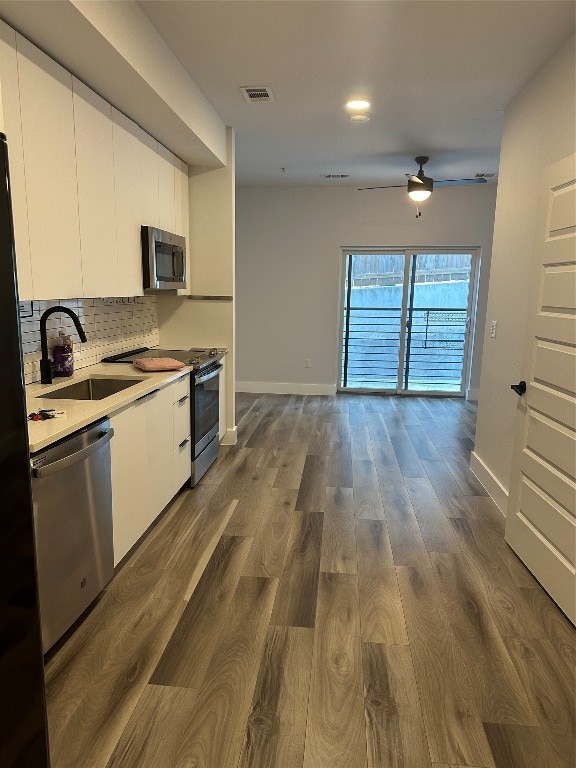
(288, 246)
(539, 129)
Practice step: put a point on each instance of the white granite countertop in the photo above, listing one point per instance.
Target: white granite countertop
(80, 413)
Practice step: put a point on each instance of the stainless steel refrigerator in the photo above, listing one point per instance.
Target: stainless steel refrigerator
(23, 732)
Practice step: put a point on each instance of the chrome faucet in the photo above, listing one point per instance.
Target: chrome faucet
(45, 362)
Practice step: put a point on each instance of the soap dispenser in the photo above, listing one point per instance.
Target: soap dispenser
(63, 355)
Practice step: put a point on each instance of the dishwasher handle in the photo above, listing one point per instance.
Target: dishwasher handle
(68, 461)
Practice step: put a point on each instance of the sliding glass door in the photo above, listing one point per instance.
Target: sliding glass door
(406, 320)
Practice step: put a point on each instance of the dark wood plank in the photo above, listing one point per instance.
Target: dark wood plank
(491, 537)
(89, 654)
(464, 476)
(394, 728)
(405, 536)
(373, 544)
(340, 427)
(296, 599)
(319, 437)
(340, 465)
(276, 726)
(381, 614)
(553, 692)
(445, 485)
(366, 490)
(264, 430)
(245, 520)
(518, 746)
(410, 464)
(290, 466)
(558, 628)
(361, 443)
(437, 533)
(187, 655)
(269, 547)
(236, 462)
(335, 733)
(512, 616)
(452, 721)
(423, 446)
(499, 693)
(312, 491)
(86, 734)
(244, 402)
(338, 553)
(211, 731)
(153, 728)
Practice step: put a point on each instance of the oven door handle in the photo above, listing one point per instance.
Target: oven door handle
(208, 376)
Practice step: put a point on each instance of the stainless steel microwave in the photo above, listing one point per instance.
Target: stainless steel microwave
(163, 260)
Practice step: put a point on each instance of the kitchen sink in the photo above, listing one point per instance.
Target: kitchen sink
(92, 389)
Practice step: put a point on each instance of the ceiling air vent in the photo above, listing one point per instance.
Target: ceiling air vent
(486, 175)
(335, 175)
(257, 95)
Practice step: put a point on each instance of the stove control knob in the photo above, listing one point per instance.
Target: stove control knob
(213, 352)
(195, 361)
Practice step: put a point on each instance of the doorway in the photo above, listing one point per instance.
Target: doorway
(407, 320)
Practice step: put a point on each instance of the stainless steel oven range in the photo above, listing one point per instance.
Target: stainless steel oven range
(204, 399)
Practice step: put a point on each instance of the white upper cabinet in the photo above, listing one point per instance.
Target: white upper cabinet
(96, 197)
(149, 196)
(128, 183)
(84, 178)
(50, 161)
(13, 131)
(181, 198)
(166, 189)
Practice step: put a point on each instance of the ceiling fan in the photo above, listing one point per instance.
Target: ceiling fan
(420, 186)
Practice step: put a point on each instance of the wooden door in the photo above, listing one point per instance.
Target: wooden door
(541, 524)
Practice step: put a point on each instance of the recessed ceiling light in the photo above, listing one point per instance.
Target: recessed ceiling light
(360, 118)
(358, 104)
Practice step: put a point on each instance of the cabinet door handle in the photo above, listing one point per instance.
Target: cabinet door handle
(184, 442)
(183, 399)
(145, 397)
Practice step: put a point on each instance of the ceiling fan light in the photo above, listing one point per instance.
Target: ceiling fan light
(358, 104)
(421, 189)
(419, 195)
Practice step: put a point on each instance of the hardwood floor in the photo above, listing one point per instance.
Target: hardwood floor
(336, 593)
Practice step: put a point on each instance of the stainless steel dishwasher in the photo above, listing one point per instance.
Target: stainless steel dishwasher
(72, 496)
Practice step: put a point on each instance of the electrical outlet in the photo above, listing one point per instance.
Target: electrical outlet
(493, 325)
(307, 363)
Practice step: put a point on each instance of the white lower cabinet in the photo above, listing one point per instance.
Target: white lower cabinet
(182, 446)
(149, 466)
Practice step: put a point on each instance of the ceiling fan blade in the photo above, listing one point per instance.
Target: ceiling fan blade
(391, 186)
(414, 178)
(454, 182)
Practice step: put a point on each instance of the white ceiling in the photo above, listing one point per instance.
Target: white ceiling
(438, 72)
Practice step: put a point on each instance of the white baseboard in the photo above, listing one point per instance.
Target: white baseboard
(472, 394)
(230, 437)
(280, 388)
(497, 492)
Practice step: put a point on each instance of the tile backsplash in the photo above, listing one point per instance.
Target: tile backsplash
(111, 324)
